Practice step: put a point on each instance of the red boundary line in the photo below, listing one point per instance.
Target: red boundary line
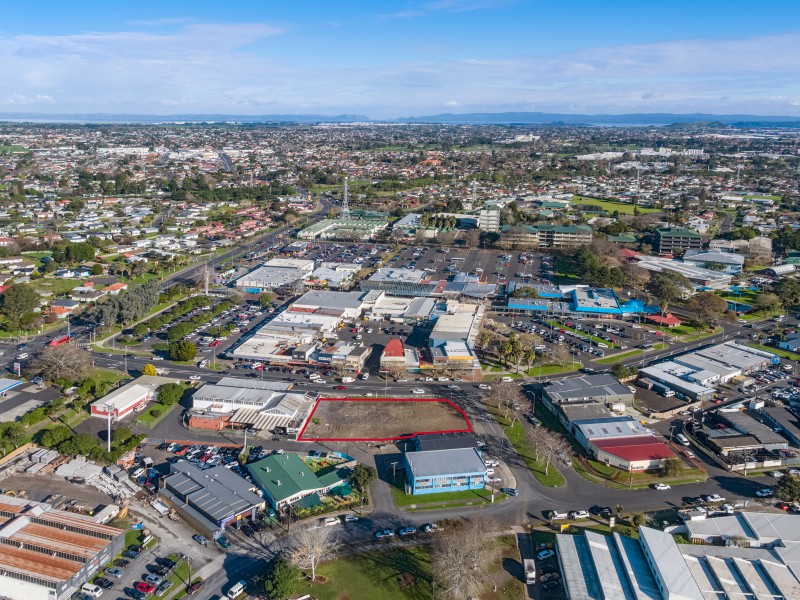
(300, 437)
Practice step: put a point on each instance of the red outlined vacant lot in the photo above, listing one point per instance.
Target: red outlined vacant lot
(381, 419)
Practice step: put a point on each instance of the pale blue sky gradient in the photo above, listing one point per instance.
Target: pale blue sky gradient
(393, 59)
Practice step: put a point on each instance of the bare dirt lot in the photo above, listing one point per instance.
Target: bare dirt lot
(382, 420)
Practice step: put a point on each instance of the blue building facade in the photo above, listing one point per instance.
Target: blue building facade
(450, 470)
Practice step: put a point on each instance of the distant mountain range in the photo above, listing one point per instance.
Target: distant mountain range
(484, 118)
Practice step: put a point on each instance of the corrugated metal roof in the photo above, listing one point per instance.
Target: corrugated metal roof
(441, 463)
(668, 563)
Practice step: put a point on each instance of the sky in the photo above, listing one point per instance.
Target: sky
(387, 59)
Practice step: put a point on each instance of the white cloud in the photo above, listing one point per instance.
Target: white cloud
(229, 67)
(21, 99)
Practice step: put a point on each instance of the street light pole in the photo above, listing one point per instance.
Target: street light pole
(109, 409)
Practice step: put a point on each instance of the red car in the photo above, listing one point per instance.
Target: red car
(340, 387)
(782, 506)
(144, 587)
(196, 587)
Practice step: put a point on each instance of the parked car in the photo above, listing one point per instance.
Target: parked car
(144, 587)
(764, 493)
(578, 514)
(153, 579)
(406, 531)
(200, 539)
(661, 486)
(195, 587)
(545, 554)
(383, 533)
(114, 572)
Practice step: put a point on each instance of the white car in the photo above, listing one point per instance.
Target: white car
(418, 391)
(442, 379)
(661, 487)
(194, 377)
(579, 514)
(484, 386)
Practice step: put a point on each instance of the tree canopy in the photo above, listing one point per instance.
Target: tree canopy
(667, 287)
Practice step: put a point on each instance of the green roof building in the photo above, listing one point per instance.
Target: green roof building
(286, 478)
(670, 239)
(623, 238)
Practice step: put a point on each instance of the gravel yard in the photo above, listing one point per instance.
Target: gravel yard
(382, 420)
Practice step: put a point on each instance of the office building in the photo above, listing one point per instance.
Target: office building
(670, 240)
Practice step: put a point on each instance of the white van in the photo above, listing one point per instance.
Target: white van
(347, 380)
(506, 379)
(237, 589)
(92, 589)
(682, 439)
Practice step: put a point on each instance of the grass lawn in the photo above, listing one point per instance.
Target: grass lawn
(594, 338)
(553, 369)
(56, 285)
(508, 586)
(9, 149)
(149, 419)
(610, 205)
(374, 575)
(464, 498)
(110, 376)
(782, 353)
(516, 435)
(178, 578)
(611, 360)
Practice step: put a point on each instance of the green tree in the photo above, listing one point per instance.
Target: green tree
(708, 307)
(97, 269)
(170, 393)
(182, 351)
(767, 303)
(12, 433)
(788, 290)
(281, 579)
(620, 371)
(788, 488)
(51, 438)
(140, 329)
(667, 287)
(264, 299)
(361, 476)
(121, 435)
(638, 519)
(672, 467)
(16, 301)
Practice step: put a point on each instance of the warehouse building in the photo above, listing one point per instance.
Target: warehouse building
(251, 404)
(448, 470)
(655, 567)
(210, 499)
(732, 263)
(48, 554)
(693, 374)
(274, 274)
(400, 282)
(346, 305)
(601, 388)
(131, 397)
(700, 278)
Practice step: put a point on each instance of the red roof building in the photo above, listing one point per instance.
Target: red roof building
(668, 320)
(394, 354)
(639, 453)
